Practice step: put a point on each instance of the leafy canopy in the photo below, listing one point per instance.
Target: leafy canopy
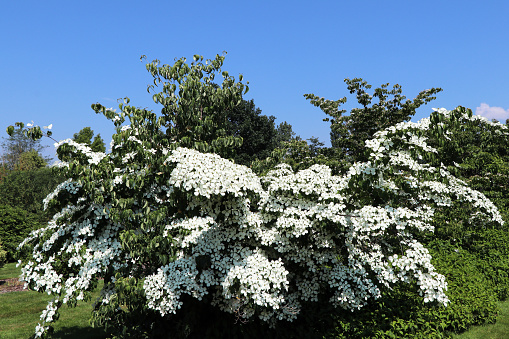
(85, 135)
(350, 132)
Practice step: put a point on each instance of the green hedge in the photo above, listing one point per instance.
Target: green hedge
(3, 256)
(15, 225)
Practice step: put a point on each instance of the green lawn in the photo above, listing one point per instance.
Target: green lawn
(20, 311)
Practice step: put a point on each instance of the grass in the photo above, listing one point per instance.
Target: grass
(20, 312)
(9, 271)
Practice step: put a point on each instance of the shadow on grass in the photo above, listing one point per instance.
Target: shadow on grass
(77, 332)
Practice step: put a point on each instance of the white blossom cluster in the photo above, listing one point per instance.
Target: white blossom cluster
(478, 118)
(255, 246)
(292, 207)
(213, 176)
(93, 157)
(68, 185)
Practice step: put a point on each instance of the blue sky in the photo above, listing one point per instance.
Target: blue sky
(59, 57)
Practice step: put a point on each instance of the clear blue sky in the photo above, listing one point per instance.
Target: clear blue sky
(59, 57)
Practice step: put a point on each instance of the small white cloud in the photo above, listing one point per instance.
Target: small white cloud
(492, 112)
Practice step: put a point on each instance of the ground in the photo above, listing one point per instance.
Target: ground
(11, 285)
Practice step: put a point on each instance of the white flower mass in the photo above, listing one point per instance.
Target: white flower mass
(257, 246)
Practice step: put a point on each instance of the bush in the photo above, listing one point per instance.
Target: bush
(3, 255)
(15, 225)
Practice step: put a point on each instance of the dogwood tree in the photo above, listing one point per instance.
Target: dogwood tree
(168, 222)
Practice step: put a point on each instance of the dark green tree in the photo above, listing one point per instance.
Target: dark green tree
(259, 134)
(257, 131)
(349, 133)
(85, 135)
(314, 146)
(15, 224)
(27, 189)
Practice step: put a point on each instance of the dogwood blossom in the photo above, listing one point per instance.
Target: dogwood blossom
(257, 246)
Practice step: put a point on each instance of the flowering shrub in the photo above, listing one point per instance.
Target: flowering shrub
(200, 225)
(472, 255)
(167, 225)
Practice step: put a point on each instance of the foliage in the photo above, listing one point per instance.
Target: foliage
(85, 135)
(477, 151)
(27, 189)
(400, 313)
(30, 160)
(349, 133)
(3, 255)
(15, 225)
(194, 109)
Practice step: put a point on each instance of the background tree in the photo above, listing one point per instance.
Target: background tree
(16, 144)
(349, 133)
(257, 131)
(259, 134)
(15, 225)
(27, 189)
(30, 160)
(285, 133)
(85, 135)
(314, 146)
(26, 180)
